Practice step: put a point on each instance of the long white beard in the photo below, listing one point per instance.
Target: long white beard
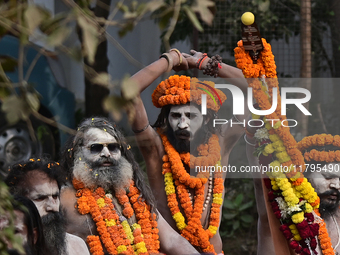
(109, 178)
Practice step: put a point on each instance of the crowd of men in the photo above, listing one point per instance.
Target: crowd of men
(96, 198)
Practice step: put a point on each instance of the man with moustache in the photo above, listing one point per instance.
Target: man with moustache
(108, 203)
(27, 226)
(190, 204)
(40, 180)
(322, 156)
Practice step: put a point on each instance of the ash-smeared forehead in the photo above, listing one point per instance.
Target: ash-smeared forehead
(96, 135)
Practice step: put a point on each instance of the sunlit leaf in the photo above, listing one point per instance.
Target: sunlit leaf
(15, 109)
(202, 7)
(33, 16)
(129, 88)
(47, 26)
(153, 5)
(193, 18)
(33, 101)
(264, 6)
(90, 31)
(58, 36)
(114, 105)
(102, 79)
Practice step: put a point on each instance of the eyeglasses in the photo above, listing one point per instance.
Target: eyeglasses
(98, 147)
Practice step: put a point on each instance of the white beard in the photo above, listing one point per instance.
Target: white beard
(109, 178)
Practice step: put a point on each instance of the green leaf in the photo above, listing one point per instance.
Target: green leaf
(229, 216)
(202, 7)
(90, 36)
(247, 218)
(126, 28)
(246, 205)
(130, 89)
(193, 18)
(331, 13)
(238, 200)
(33, 17)
(8, 63)
(58, 36)
(228, 204)
(102, 79)
(236, 225)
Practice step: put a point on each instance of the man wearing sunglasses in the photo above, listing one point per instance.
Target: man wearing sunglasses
(107, 200)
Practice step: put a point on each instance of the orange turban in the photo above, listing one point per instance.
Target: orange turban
(178, 90)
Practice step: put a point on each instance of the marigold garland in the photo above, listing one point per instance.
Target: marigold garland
(176, 178)
(298, 196)
(117, 236)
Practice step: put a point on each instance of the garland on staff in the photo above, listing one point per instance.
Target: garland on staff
(292, 197)
(115, 233)
(177, 180)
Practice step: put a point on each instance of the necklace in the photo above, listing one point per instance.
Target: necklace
(177, 180)
(337, 228)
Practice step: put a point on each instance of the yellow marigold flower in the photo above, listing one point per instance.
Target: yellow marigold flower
(268, 126)
(274, 185)
(101, 202)
(277, 125)
(180, 221)
(135, 225)
(127, 230)
(121, 248)
(140, 245)
(217, 200)
(269, 148)
(274, 138)
(217, 195)
(298, 217)
(275, 164)
(265, 153)
(213, 229)
(110, 223)
(308, 208)
(169, 189)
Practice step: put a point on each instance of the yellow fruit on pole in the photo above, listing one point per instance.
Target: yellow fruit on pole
(248, 18)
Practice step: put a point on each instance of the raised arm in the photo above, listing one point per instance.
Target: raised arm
(233, 76)
(145, 77)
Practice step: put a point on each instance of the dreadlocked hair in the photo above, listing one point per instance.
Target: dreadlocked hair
(76, 141)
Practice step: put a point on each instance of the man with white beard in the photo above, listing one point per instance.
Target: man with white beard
(40, 180)
(108, 203)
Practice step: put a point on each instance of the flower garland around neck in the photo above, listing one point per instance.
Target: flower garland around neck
(115, 233)
(176, 178)
(292, 197)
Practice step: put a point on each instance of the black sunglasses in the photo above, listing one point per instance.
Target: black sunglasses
(98, 147)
